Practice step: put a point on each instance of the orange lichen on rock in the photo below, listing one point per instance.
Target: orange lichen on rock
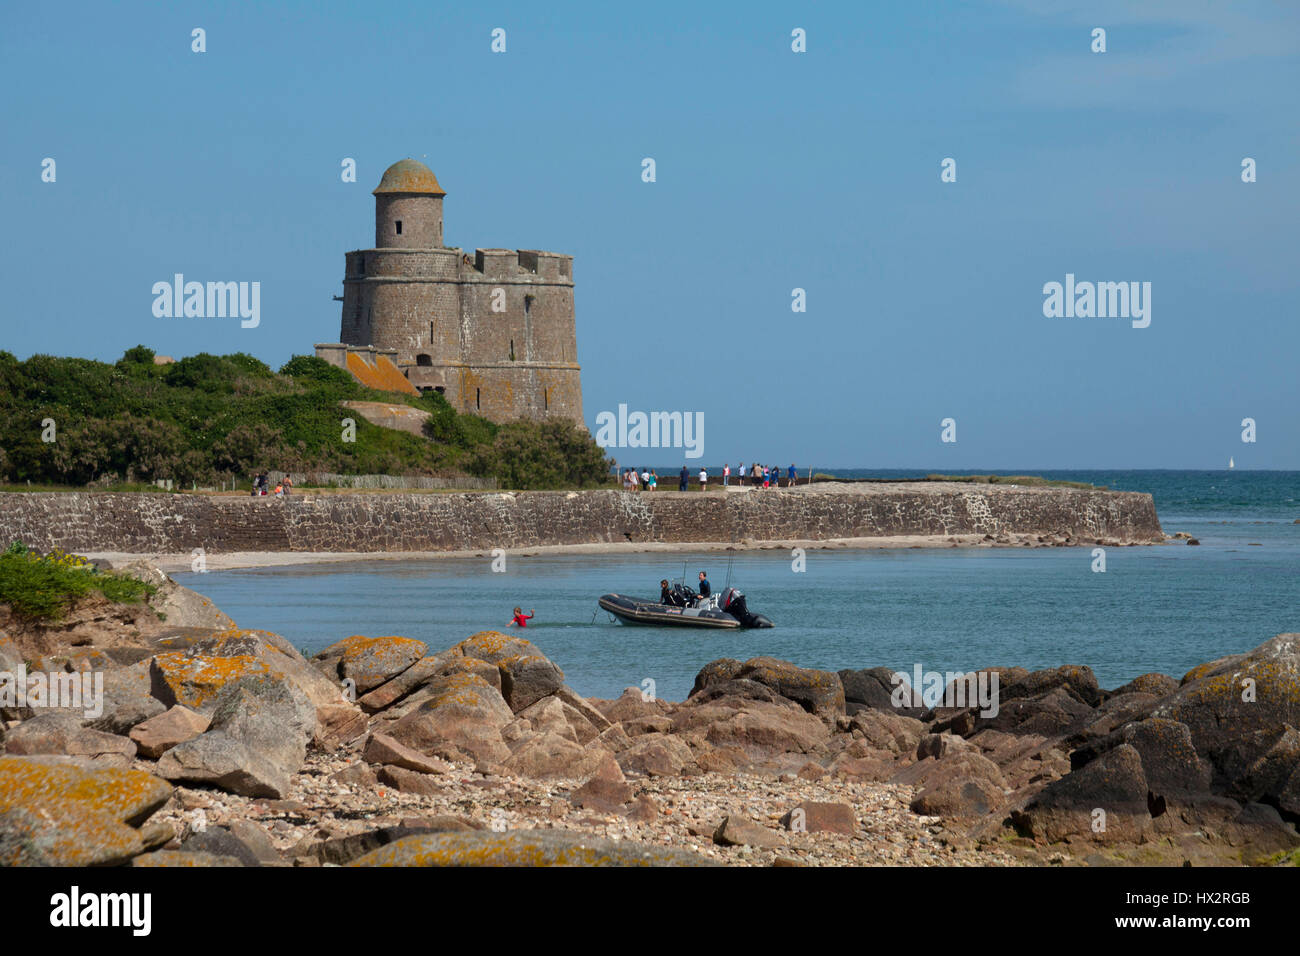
(492, 646)
(72, 814)
(195, 680)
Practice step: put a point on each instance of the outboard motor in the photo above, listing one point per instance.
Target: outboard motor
(733, 602)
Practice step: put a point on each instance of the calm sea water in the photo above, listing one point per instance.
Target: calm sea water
(1163, 608)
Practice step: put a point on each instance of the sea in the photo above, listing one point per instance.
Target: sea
(1161, 608)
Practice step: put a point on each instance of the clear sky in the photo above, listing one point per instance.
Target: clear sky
(775, 170)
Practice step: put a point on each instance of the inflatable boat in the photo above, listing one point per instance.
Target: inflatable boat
(729, 611)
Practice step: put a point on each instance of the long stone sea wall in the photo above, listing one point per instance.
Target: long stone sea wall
(170, 523)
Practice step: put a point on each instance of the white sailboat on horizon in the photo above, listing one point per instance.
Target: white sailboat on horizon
(1230, 464)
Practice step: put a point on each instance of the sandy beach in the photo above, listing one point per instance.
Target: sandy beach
(270, 559)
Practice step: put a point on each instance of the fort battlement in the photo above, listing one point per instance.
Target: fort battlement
(494, 333)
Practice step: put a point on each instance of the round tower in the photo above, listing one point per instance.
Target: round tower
(408, 207)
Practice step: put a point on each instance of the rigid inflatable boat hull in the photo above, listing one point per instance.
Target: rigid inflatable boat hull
(632, 610)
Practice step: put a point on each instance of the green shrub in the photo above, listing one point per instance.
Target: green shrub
(208, 418)
(43, 587)
(549, 454)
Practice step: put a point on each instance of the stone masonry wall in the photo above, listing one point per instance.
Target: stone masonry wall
(168, 523)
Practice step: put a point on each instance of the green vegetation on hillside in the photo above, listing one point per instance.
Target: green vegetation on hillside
(210, 418)
(45, 586)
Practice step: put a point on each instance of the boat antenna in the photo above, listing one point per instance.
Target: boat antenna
(731, 560)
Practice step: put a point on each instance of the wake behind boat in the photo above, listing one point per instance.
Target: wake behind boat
(728, 611)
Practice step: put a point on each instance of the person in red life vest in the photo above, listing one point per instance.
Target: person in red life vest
(521, 619)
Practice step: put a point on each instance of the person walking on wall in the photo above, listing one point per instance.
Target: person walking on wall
(704, 479)
(682, 479)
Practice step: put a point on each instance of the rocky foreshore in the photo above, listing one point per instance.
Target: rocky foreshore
(217, 745)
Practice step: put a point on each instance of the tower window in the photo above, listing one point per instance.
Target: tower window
(512, 350)
(546, 399)
(430, 333)
(398, 223)
(478, 395)
(423, 360)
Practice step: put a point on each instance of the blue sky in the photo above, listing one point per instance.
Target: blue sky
(775, 171)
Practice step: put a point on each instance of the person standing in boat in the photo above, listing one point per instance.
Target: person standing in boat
(705, 587)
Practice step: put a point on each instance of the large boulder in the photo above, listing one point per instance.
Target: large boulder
(817, 692)
(159, 734)
(176, 604)
(631, 704)
(885, 730)
(606, 790)
(527, 678)
(1104, 801)
(257, 740)
(813, 817)
(737, 830)
(1057, 712)
(558, 716)
(1276, 774)
(59, 811)
(369, 661)
(396, 688)
(1079, 682)
(63, 734)
(1170, 762)
(463, 715)
(1237, 708)
(527, 675)
(548, 756)
(961, 784)
(874, 689)
(758, 729)
(195, 684)
(656, 755)
(723, 669)
(383, 749)
(197, 680)
(128, 698)
(493, 646)
(1159, 685)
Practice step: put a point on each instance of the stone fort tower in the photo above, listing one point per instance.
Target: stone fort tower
(493, 333)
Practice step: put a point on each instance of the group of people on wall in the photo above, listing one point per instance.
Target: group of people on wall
(760, 476)
(262, 485)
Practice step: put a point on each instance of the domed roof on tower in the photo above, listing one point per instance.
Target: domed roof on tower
(409, 176)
